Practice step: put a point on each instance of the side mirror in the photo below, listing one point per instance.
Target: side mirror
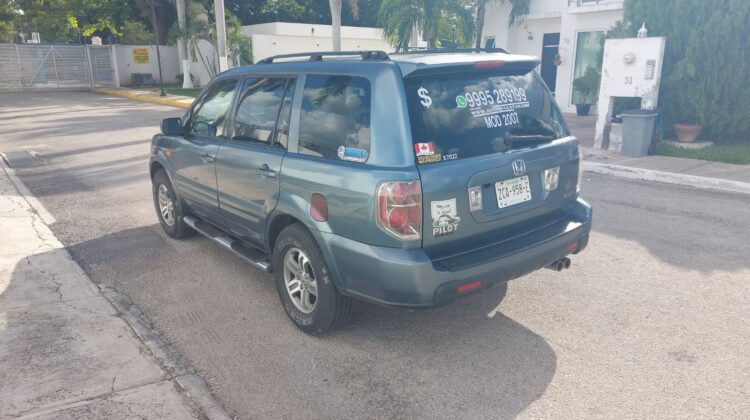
(171, 126)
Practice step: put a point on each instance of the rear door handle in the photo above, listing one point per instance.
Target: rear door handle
(266, 172)
(206, 158)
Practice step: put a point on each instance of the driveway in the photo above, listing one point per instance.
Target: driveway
(650, 321)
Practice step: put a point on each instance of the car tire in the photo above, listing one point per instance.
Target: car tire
(168, 208)
(300, 271)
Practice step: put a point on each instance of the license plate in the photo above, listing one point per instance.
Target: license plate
(513, 191)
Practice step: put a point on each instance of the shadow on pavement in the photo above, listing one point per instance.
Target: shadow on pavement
(225, 316)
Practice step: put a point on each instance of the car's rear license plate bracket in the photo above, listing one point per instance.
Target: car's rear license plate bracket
(513, 191)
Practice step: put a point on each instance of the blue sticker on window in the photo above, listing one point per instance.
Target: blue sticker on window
(352, 154)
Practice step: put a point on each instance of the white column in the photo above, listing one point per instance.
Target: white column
(221, 35)
(182, 49)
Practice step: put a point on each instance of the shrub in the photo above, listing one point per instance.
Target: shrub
(587, 85)
(706, 61)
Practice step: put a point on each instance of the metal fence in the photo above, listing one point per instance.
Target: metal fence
(55, 67)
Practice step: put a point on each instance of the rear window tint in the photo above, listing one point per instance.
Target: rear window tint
(460, 117)
(335, 117)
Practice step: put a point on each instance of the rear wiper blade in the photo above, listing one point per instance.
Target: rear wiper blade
(530, 138)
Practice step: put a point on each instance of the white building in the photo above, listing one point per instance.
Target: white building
(276, 38)
(574, 29)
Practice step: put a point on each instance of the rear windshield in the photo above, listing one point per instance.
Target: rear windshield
(457, 117)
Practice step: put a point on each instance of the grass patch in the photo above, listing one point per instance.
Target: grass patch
(726, 153)
(193, 92)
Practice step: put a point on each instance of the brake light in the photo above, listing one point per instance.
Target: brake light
(468, 287)
(580, 169)
(489, 64)
(400, 208)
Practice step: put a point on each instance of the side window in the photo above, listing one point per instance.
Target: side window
(282, 128)
(335, 117)
(258, 109)
(209, 115)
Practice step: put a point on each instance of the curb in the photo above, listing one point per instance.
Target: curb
(702, 182)
(194, 389)
(179, 103)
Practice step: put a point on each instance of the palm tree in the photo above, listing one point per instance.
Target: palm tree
(399, 18)
(335, 6)
(182, 45)
(518, 9)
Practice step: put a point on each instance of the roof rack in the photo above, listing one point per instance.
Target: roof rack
(455, 50)
(318, 55)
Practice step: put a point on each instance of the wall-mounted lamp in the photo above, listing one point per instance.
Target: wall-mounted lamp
(529, 35)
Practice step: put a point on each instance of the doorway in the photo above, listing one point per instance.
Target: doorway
(550, 45)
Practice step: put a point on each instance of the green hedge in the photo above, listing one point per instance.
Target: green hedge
(706, 74)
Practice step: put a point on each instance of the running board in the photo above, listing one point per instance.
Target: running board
(249, 254)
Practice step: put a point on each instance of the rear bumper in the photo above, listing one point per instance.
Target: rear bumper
(408, 278)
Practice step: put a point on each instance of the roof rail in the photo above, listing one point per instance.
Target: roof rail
(318, 55)
(455, 50)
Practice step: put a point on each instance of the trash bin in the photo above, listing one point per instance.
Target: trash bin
(637, 131)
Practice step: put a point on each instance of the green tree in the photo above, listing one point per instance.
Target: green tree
(135, 32)
(518, 10)
(251, 12)
(70, 20)
(201, 25)
(706, 61)
(399, 18)
(8, 16)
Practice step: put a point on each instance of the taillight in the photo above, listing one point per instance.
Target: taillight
(489, 64)
(580, 169)
(400, 208)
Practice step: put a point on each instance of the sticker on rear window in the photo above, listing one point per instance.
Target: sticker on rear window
(424, 149)
(429, 159)
(352, 154)
(424, 94)
(445, 218)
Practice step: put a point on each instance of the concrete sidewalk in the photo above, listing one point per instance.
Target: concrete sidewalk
(689, 172)
(65, 350)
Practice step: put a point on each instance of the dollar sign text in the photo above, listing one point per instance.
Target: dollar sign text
(426, 100)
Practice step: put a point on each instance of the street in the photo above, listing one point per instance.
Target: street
(650, 321)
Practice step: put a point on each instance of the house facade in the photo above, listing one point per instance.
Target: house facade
(574, 29)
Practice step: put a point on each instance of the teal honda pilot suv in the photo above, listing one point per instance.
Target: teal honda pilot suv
(407, 179)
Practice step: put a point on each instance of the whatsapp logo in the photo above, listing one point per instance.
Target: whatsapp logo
(460, 101)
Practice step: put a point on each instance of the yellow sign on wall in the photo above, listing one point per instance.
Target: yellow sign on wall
(140, 55)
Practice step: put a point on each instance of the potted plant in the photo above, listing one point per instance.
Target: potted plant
(557, 60)
(684, 111)
(686, 128)
(587, 86)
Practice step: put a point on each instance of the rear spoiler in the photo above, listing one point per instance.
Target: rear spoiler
(490, 65)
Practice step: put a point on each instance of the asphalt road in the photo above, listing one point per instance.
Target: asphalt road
(650, 321)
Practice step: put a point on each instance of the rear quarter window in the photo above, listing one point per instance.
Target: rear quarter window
(457, 117)
(335, 117)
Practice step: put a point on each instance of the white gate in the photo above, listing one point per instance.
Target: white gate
(54, 67)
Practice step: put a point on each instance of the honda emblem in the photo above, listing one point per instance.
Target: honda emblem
(519, 167)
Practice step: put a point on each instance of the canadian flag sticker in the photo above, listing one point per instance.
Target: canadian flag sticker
(424, 149)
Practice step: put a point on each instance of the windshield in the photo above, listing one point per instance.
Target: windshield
(454, 117)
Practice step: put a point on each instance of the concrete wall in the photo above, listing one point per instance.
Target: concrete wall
(275, 38)
(202, 72)
(127, 66)
(550, 16)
